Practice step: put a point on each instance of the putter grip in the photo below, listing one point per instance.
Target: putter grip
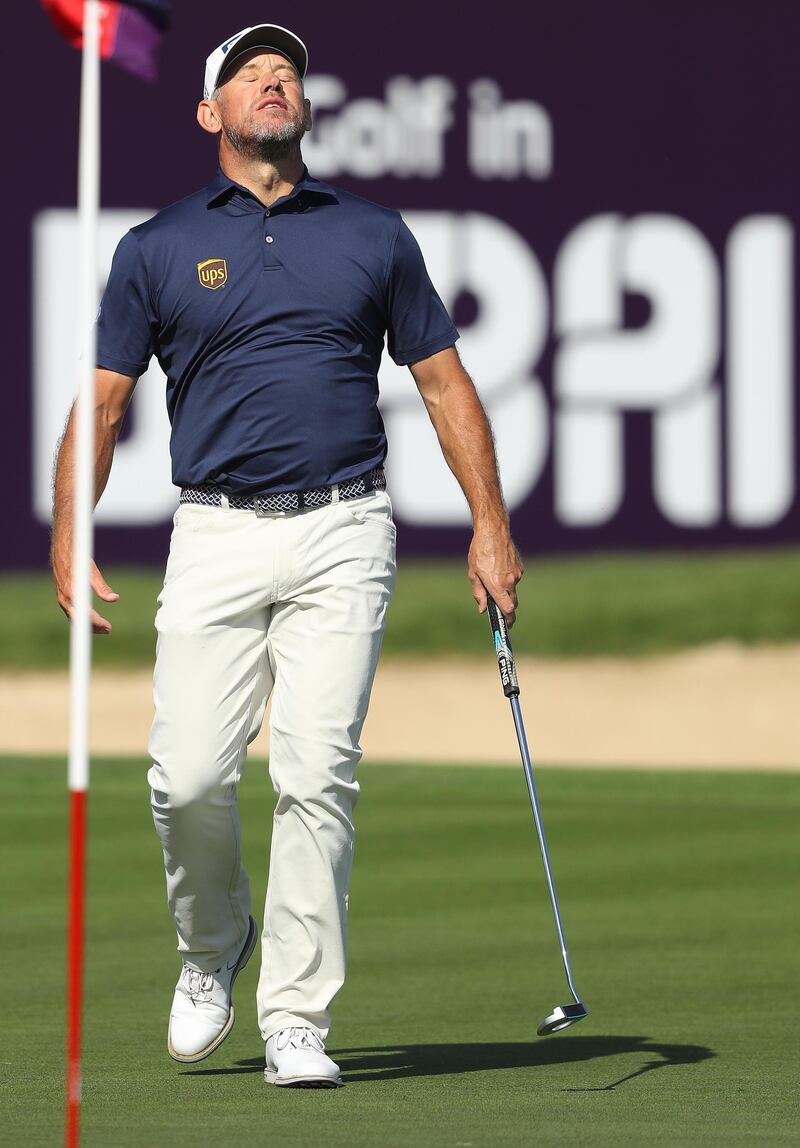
(502, 648)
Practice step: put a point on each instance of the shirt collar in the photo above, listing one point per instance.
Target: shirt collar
(222, 187)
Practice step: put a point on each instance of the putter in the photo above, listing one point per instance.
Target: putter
(563, 1015)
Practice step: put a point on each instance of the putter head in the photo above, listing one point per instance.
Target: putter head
(562, 1017)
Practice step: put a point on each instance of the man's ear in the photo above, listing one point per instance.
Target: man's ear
(307, 118)
(208, 117)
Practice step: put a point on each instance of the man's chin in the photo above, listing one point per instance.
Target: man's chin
(260, 139)
(272, 141)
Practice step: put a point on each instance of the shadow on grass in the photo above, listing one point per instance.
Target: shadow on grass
(395, 1062)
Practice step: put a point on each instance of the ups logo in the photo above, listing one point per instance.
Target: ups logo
(212, 273)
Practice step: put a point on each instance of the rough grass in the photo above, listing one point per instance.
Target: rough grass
(678, 893)
(620, 605)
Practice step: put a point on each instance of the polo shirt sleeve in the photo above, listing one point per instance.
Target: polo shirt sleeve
(127, 322)
(418, 324)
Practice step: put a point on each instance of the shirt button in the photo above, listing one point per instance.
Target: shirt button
(266, 213)
(268, 239)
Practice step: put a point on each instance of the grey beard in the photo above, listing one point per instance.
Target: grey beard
(267, 148)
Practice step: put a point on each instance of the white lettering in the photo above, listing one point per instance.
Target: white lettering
(602, 370)
(140, 490)
(667, 367)
(510, 139)
(760, 397)
(402, 135)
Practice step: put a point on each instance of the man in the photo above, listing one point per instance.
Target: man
(266, 298)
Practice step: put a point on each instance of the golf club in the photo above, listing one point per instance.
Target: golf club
(563, 1015)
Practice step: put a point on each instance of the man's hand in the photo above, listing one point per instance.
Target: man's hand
(494, 566)
(61, 559)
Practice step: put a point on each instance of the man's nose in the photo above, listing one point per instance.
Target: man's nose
(271, 82)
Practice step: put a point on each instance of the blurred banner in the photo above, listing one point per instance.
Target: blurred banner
(607, 198)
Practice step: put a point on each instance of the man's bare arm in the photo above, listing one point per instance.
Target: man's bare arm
(112, 395)
(463, 430)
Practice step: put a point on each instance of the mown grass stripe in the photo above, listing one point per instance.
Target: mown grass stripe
(623, 605)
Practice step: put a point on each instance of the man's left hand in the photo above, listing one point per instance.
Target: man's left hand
(494, 567)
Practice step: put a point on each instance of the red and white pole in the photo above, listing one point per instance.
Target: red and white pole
(81, 631)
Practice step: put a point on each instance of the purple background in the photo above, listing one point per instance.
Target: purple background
(688, 107)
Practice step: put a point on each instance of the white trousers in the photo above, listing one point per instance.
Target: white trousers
(293, 605)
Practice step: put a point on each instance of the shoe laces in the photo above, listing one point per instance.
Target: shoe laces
(198, 985)
(299, 1038)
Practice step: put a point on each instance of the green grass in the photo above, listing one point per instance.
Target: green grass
(680, 904)
(624, 604)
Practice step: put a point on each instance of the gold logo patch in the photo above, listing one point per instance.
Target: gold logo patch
(212, 273)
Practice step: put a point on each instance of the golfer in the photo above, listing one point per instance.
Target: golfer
(266, 298)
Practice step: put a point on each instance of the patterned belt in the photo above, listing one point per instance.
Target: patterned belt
(290, 499)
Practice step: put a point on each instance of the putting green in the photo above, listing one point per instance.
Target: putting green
(679, 898)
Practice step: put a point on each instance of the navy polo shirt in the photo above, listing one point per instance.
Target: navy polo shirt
(269, 324)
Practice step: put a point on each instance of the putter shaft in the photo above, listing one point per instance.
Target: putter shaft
(508, 678)
(537, 816)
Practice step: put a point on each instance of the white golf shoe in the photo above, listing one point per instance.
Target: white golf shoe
(296, 1059)
(202, 1012)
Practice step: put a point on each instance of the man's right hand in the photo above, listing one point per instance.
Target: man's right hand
(112, 393)
(61, 560)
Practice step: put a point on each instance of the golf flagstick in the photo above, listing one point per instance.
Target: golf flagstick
(81, 629)
(563, 1015)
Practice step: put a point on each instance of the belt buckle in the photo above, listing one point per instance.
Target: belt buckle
(260, 507)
